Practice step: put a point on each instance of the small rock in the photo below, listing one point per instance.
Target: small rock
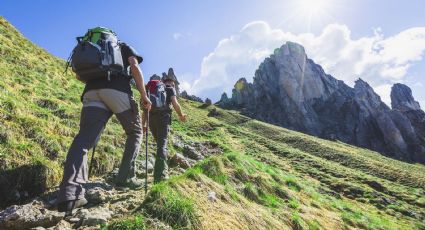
(192, 153)
(97, 195)
(376, 185)
(62, 225)
(198, 184)
(212, 196)
(178, 142)
(387, 201)
(179, 160)
(94, 217)
(37, 202)
(74, 220)
(38, 228)
(142, 166)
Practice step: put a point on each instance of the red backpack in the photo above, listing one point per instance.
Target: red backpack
(157, 95)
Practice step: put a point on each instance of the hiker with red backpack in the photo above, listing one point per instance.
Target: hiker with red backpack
(106, 66)
(162, 94)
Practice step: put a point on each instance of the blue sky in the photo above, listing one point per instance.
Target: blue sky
(211, 44)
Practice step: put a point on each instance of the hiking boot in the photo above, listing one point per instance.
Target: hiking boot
(160, 172)
(132, 183)
(69, 205)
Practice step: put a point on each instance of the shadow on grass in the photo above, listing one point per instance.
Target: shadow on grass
(19, 184)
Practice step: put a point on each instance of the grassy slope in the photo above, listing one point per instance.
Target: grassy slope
(38, 117)
(267, 178)
(273, 178)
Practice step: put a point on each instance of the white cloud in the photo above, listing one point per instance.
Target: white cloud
(418, 84)
(185, 86)
(177, 36)
(377, 59)
(180, 35)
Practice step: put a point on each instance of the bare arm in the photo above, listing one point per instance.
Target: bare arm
(178, 109)
(137, 74)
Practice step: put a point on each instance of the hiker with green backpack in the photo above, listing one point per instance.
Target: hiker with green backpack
(106, 66)
(162, 94)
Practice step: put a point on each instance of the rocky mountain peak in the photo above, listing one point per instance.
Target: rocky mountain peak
(241, 84)
(366, 95)
(172, 76)
(292, 49)
(402, 99)
(292, 91)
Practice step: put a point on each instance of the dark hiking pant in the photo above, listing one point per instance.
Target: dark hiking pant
(159, 124)
(98, 107)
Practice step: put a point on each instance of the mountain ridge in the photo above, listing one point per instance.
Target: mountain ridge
(292, 91)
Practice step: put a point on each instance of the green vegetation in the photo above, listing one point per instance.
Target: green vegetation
(170, 206)
(135, 223)
(267, 177)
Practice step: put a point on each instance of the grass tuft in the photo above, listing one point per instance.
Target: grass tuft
(171, 207)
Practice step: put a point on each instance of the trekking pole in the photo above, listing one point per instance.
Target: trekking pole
(91, 161)
(94, 149)
(146, 160)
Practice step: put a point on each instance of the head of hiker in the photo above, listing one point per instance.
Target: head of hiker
(107, 92)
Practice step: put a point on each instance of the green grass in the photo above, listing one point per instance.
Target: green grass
(170, 206)
(134, 223)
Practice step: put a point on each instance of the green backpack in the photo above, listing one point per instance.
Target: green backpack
(97, 55)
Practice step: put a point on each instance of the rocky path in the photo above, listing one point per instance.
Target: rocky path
(106, 201)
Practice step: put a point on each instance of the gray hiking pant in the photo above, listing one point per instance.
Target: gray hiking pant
(159, 124)
(98, 107)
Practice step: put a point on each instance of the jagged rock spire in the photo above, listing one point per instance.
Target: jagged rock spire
(402, 99)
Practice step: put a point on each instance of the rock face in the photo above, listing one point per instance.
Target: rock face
(184, 94)
(292, 91)
(172, 76)
(402, 99)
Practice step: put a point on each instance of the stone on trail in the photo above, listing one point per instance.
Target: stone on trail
(62, 225)
(28, 216)
(93, 217)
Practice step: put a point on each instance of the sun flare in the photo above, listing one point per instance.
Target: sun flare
(313, 8)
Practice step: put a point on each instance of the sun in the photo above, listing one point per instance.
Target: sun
(313, 8)
(310, 13)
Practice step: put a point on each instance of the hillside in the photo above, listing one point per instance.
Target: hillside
(244, 174)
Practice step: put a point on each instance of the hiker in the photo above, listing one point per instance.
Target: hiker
(160, 120)
(107, 91)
